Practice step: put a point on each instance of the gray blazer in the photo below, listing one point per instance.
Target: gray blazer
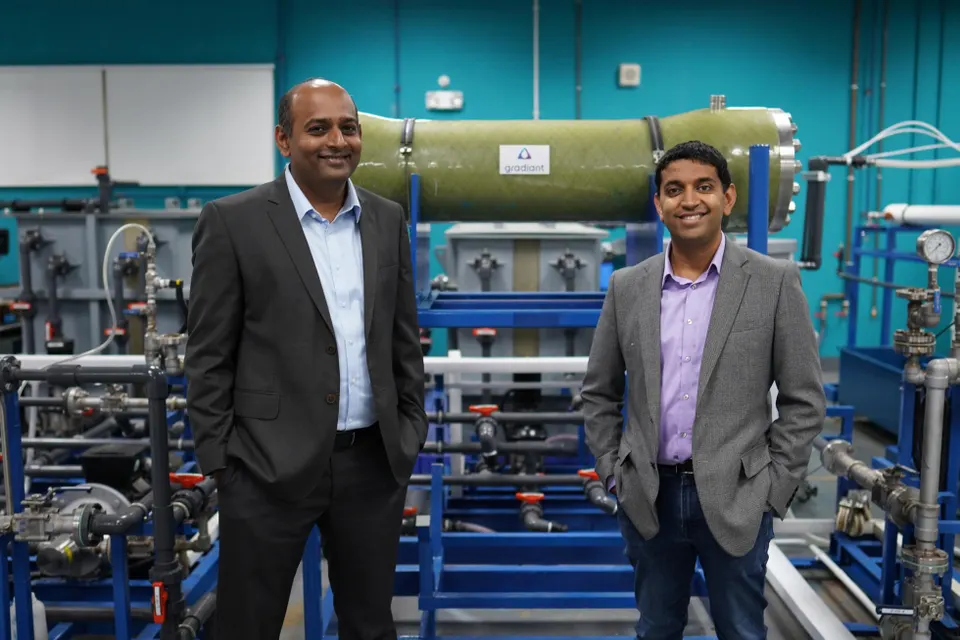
(760, 332)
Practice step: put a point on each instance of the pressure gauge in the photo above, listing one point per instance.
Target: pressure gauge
(936, 246)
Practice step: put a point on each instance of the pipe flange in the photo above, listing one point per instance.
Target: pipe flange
(833, 450)
(74, 397)
(926, 562)
(914, 342)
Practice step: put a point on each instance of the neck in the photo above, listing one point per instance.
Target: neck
(692, 260)
(326, 198)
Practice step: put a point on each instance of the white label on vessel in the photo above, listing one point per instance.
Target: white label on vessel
(524, 160)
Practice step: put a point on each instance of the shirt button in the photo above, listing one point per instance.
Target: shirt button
(331, 398)
(331, 349)
(686, 396)
(693, 286)
(689, 321)
(683, 434)
(686, 358)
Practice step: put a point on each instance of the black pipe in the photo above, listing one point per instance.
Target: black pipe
(189, 501)
(58, 454)
(79, 613)
(886, 285)
(505, 480)
(73, 375)
(597, 495)
(559, 417)
(32, 241)
(166, 572)
(539, 448)
(197, 615)
(86, 443)
(106, 524)
(532, 516)
(811, 253)
(120, 336)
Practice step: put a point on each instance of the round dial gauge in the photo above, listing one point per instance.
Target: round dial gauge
(936, 246)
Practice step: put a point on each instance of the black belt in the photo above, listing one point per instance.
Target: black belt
(354, 437)
(683, 467)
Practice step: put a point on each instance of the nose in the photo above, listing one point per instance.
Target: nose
(690, 199)
(335, 138)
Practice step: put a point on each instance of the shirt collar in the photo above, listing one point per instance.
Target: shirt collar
(350, 205)
(714, 264)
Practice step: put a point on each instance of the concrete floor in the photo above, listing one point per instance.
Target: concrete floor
(868, 442)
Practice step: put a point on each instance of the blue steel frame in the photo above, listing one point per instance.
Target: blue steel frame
(868, 377)
(118, 592)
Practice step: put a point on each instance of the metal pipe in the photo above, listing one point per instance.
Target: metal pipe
(505, 480)
(432, 364)
(854, 90)
(87, 443)
(4, 444)
(938, 376)
(544, 417)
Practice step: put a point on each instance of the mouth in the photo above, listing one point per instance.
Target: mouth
(334, 158)
(691, 218)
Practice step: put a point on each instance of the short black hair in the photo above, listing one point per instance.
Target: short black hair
(285, 118)
(698, 152)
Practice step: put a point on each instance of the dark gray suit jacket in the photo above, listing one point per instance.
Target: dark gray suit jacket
(261, 359)
(760, 332)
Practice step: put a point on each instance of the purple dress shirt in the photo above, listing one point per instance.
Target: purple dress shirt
(685, 310)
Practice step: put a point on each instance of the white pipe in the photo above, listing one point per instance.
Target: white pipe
(922, 214)
(536, 59)
(432, 364)
(847, 581)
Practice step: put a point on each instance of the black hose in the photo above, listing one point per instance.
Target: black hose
(197, 615)
(79, 613)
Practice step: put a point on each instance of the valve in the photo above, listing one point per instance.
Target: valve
(486, 430)
(485, 410)
(596, 492)
(159, 602)
(589, 474)
(409, 512)
(529, 497)
(186, 480)
(853, 513)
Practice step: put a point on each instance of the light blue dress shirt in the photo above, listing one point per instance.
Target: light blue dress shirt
(338, 256)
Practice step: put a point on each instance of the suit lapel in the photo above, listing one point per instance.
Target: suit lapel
(730, 290)
(284, 218)
(371, 249)
(649, 304)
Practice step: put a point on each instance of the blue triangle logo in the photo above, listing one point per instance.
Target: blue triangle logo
(524, 154)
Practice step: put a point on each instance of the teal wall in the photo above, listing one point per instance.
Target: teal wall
(796, 57)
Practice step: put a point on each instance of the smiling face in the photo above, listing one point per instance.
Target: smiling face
(692, 201)
(320, 132)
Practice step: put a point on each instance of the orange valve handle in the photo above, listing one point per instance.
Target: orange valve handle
(588, 474)
(186, 480)
(485, 332)
(529, 497)
(484, 410)
(159, 604)
(409, 511)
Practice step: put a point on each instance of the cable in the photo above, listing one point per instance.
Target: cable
(908, 127)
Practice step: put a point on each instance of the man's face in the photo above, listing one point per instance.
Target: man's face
(692, 201)
(326, 138)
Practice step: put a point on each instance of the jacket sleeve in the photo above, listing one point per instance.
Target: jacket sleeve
(603, 386)
(214, 321)
(801, 402)
(408, 370)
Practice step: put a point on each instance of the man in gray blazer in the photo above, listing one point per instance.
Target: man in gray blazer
(305, 376)
(702, 331)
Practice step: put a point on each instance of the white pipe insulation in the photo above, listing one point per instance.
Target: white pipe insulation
(922, 215)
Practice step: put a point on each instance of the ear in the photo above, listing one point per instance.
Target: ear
(656, 203)
(730, 199)
(282, 141)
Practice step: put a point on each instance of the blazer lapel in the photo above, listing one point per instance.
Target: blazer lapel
(284, 218)
(649, 305)
(730, 290)
(371, 249)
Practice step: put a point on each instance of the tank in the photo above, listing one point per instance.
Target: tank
(565, 170)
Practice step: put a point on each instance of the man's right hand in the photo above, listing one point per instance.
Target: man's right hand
(218, 477)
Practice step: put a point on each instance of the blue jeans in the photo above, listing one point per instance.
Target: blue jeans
(664, 567)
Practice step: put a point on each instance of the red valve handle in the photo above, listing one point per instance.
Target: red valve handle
(484, 410)
(186, 480)
(589, 474)
(529, 497)
(484, 331)
(409, 511)
(159, 602)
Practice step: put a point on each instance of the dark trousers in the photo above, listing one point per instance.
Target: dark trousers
(358, 507)
(664, 567)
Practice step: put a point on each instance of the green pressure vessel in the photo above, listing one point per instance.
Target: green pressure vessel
(564, 170)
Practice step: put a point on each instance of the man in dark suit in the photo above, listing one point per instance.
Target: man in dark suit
(305, 375)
